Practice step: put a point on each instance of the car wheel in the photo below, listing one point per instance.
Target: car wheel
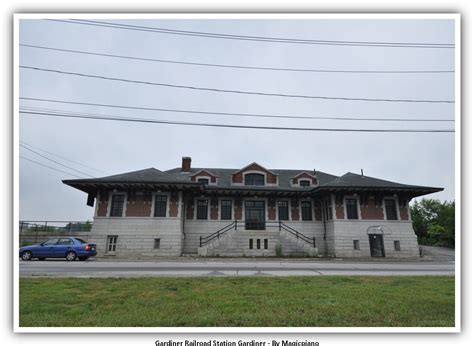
(26, 256)
(71, 256)
(41, 258)
(82, 258)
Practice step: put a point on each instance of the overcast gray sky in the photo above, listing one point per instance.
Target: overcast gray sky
(117, 147)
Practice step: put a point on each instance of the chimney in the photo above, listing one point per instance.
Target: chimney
(186, 165)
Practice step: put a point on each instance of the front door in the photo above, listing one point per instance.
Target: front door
(255, 215)
(376, 245)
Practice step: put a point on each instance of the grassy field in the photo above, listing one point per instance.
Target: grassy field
(323, 301)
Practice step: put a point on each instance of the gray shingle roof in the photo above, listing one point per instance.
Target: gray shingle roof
(356, 180)
(149, 175)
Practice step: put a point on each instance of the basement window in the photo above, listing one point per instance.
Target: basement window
(258, 244)
(156, 244)
(396, 244)
(111, 244)
(265, 244)
(356, 244)
(250, 244)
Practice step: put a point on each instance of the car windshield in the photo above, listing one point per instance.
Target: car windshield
(81, 240)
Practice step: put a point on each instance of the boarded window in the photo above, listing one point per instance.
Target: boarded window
(201, 213)
(283, 210)
(160, 205)
(111, 244)
(356, 245)
(351, 208)
(116, 209)
(391, 209)
(226, 209)
(305, 183)
(156, 244)
(396, 244)
(306, 214)
(254, 179)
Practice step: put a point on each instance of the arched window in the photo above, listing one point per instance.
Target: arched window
(254, 179)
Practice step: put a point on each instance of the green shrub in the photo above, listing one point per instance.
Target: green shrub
(278, 250)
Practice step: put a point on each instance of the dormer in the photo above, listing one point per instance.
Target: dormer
(254, 175)
(205, 177)
(304, 179)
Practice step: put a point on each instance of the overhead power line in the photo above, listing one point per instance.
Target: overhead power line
(193, 63)
(256, 38)
(62, 157)
(233, 114)
(152, 121)
(242, 92)
(54, 169)
(56, 162)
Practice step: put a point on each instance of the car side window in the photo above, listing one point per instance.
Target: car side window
(51, 242)
(65, 241)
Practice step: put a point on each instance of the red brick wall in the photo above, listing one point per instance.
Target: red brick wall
(190, 209)
(403, 213)
(238, 208)
(214, 208)
(174, 204)
(295, 210)
(137, 206)
(371, 211)
(318, 211)
(339, 212)
(271, 209)
(103, 204)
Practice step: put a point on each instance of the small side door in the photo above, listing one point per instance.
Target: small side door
(46, 249)
(63, 246)
(377, 248)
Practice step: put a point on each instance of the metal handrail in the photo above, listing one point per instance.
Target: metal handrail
(298, 235)
(217, 234)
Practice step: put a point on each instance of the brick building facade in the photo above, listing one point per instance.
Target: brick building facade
(252, 211)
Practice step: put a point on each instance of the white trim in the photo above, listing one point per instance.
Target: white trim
(97, 201)
(153, 201)
(209, 179)
(125, 202)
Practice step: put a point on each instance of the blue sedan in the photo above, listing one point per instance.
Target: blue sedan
(67, 247)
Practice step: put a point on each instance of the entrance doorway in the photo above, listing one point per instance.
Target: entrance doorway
(376, 245)
(255, 215)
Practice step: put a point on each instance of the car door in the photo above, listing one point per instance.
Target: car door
(63, 246)
(46, 249)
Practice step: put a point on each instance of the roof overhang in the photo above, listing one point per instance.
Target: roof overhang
(409, 191)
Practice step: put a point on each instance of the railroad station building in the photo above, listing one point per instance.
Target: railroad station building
(250, 211)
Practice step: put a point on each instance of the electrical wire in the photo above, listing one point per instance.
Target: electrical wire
(242, 92)
(235, 66)
(152, 121)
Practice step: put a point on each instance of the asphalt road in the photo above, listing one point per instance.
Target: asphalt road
(201, 267)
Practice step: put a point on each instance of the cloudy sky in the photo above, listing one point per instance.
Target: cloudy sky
(107, 147)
